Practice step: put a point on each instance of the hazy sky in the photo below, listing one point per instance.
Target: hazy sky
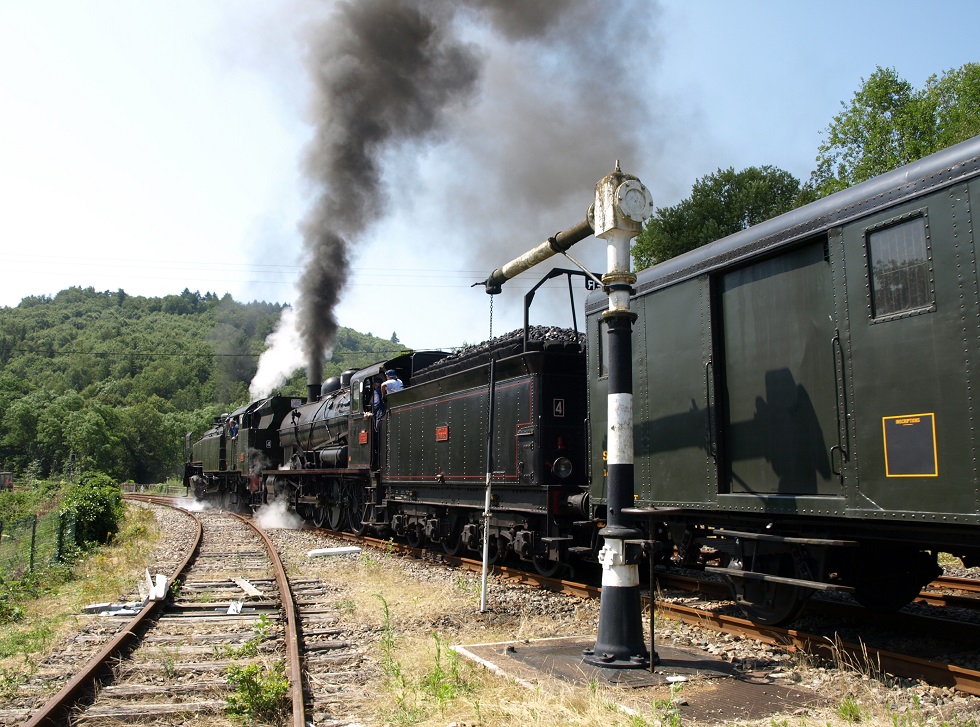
(157, 146)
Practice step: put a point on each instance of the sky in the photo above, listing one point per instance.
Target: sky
(158, 146)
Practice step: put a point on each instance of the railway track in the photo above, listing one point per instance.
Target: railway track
(826, 643)
(231, 608)
(336, 650)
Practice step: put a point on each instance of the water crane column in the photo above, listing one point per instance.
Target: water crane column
(621, 205)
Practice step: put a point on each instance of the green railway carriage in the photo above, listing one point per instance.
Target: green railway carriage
(805, 393)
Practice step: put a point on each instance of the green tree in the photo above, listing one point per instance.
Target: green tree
(96, 436)
(888, 123)
(720, 204)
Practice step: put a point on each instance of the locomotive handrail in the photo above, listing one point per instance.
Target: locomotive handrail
(840, 389)
(709, 415)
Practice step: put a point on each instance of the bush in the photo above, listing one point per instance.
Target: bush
(96, 505)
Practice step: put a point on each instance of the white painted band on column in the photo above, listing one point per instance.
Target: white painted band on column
(621, 576)
(615, 573)
(620, 445)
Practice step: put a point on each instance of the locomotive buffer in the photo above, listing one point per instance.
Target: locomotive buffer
(621, 205)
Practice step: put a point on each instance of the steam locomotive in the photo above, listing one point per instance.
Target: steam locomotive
(419, 469)
(805, 415)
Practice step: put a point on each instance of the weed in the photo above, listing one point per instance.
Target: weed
(666, 711)
(168, 656)
(849, 710)
(347, 606)
(443, 682)
(260, 633)
(391, 667)
(262, 628)
(466, 585)
(176, 586)
(260, 694)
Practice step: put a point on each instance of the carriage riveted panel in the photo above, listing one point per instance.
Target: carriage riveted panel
(911, 297)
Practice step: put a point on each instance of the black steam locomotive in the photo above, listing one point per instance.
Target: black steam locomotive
(805, 397)
(805, 414)
(419, 468)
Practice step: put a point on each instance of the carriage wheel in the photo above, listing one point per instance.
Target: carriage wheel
(768, 603)
(889, 577)
(545, 567)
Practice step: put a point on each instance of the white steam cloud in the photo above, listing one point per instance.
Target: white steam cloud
(281, 359)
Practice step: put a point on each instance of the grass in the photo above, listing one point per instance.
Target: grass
(260, 693)
(50, 613)
(417, 679)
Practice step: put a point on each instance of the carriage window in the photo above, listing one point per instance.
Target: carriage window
(898, 257)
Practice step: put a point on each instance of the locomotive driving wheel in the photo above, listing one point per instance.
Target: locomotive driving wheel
(354, 513)
(334, 505)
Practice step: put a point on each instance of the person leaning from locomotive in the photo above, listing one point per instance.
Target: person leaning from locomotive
(377, 403)
(391, 384)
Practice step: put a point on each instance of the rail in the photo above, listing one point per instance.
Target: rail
(55, 711)
(291, 630)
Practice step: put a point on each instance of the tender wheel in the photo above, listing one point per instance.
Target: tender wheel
(414, 535)
(494, 551)
(546, 567)
(453, 542)
(767, 603)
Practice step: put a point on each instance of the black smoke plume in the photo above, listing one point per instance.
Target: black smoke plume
(383, 71)
(389, 74)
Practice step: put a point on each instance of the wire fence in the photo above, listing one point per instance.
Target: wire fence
(167, 488)
(34, 542)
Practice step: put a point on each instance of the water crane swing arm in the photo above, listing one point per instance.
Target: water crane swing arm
(559, 243)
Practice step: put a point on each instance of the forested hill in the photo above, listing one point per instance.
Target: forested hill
(117, 380)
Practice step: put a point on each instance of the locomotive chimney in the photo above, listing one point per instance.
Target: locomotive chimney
(313, 383)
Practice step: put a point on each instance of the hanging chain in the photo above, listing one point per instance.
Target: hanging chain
(491, 317)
